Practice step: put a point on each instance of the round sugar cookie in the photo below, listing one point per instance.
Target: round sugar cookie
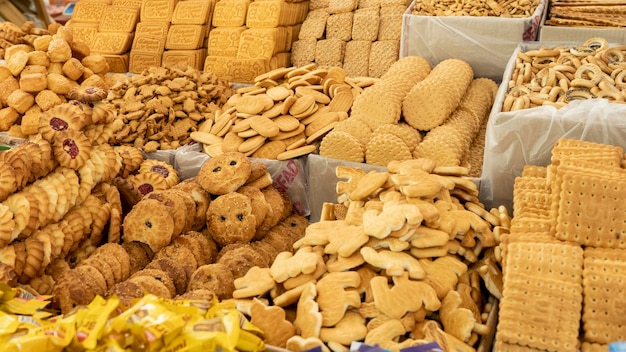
(214, 277)
(343, 146)
(408, 134)
(384, 147)
(150, 222)
(224, 173)
(230, 219)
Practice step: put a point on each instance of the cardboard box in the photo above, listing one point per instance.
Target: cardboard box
(578, 34)
(527, 136)
(486, 43)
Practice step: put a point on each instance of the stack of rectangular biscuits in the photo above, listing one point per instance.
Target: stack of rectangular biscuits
(565, 256)
(252, 37)
(362, 36)
(171, 33)
(108, 27)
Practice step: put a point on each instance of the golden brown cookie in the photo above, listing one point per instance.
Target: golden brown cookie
(198, 294)
(139, 253)
(241, 259)
(71, 148)
(260, 207)
(202, 199)
(213, 277)
(151, 285)
(150, 222)
(127, 292)
(224, 173)
(162, 168)
(161, 276)
(204, 248)
(175, 270)
(230, 219)
(177, 206)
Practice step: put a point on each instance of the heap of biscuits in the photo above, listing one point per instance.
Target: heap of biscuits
(587, 13)
(363, 36)
(404, 258)
(250, 38)
(494, 8)
(37, 78)
(565, 247)
(415, 112)
(162, 106)
(108, 28)
(283, 115)
(12, 34)
(557, 76)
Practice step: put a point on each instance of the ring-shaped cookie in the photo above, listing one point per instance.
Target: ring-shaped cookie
(589, 72)
(596, 43)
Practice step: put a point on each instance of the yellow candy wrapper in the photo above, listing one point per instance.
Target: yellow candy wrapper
(91, 326)
(49, 337)
(21, 302)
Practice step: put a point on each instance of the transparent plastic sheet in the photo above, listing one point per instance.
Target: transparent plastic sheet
(486, 43)
(515, 139)
(323, 181)
(289, 176)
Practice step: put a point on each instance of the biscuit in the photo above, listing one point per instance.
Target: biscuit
(230, 219)
(184, 58)
(224, 173)
(383, 54)
(148, 43)
(224, 41)
(341, 6)
(267, 14)
(157, 11)
(192, 12)
(185, 36)
(153, 226)
(303, 52)
(339, 26)
(114, 43)
(157, 29)
(119, 19)
(213, 277)
(88, 11)
(230, 13)
(329, 52)
(314, 25)
(140, 61)
(356, 58)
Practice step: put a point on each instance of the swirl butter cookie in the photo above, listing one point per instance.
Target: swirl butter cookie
(162, 168)
(224, 173)
(230, 219)
(71, 148)
(60, 118)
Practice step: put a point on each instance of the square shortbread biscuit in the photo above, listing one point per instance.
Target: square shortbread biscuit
(390, 27)
(303, 51)
(230, 13)
(329, 52)
(383, 54)
(314, 24)
(365, 24)
(339, 26)
(224, 41)
(356, 58)
(342, 6)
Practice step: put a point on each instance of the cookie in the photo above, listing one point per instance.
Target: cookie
(214, 277)
(230, 219)
(150, 222)
(224, 173)
(241, 259)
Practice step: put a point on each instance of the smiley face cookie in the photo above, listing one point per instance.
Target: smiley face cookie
(224, 173)
(230, 219)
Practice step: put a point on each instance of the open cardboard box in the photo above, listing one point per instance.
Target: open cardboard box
(580, 34)
(517, 138)
(486, 43)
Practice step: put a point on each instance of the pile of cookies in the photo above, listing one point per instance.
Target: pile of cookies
(250, 38)
(36, 78)
(404, 258)
(363, 36)
(494, 8)
(556, 76)
(12, 34)
(162, 106)
(283, 115)
(585, 14)
(108, 27)
(565, 248)
(413, 112)
(171, 33)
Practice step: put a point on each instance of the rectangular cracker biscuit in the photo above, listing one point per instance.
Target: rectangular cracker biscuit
(292, 35)
(139, 61)
(230, 13)
(392, 10)
(265, 14)
(218, 65)
(224, 41)
(341, 6)
(88, 11)
(604, 270)
(131, 3)
(329, 52)
(339, 26)
(245, 70)
(157, 10)
(365, 24)
(356, 58)
(540, 312)
(303, 51)
(366, 4)
(117, 63)
(192, 12)
(314, 25)
(383, 54)
(157, 29)
(119, 19)
(114, 43)
(529, 224)
(590, 209)
(534, 171)
(148, 44)
(184, 58)
(393, 3)
(390, 27)
(280, 60)
(185, 36)
(85, 33)
(253, 47)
